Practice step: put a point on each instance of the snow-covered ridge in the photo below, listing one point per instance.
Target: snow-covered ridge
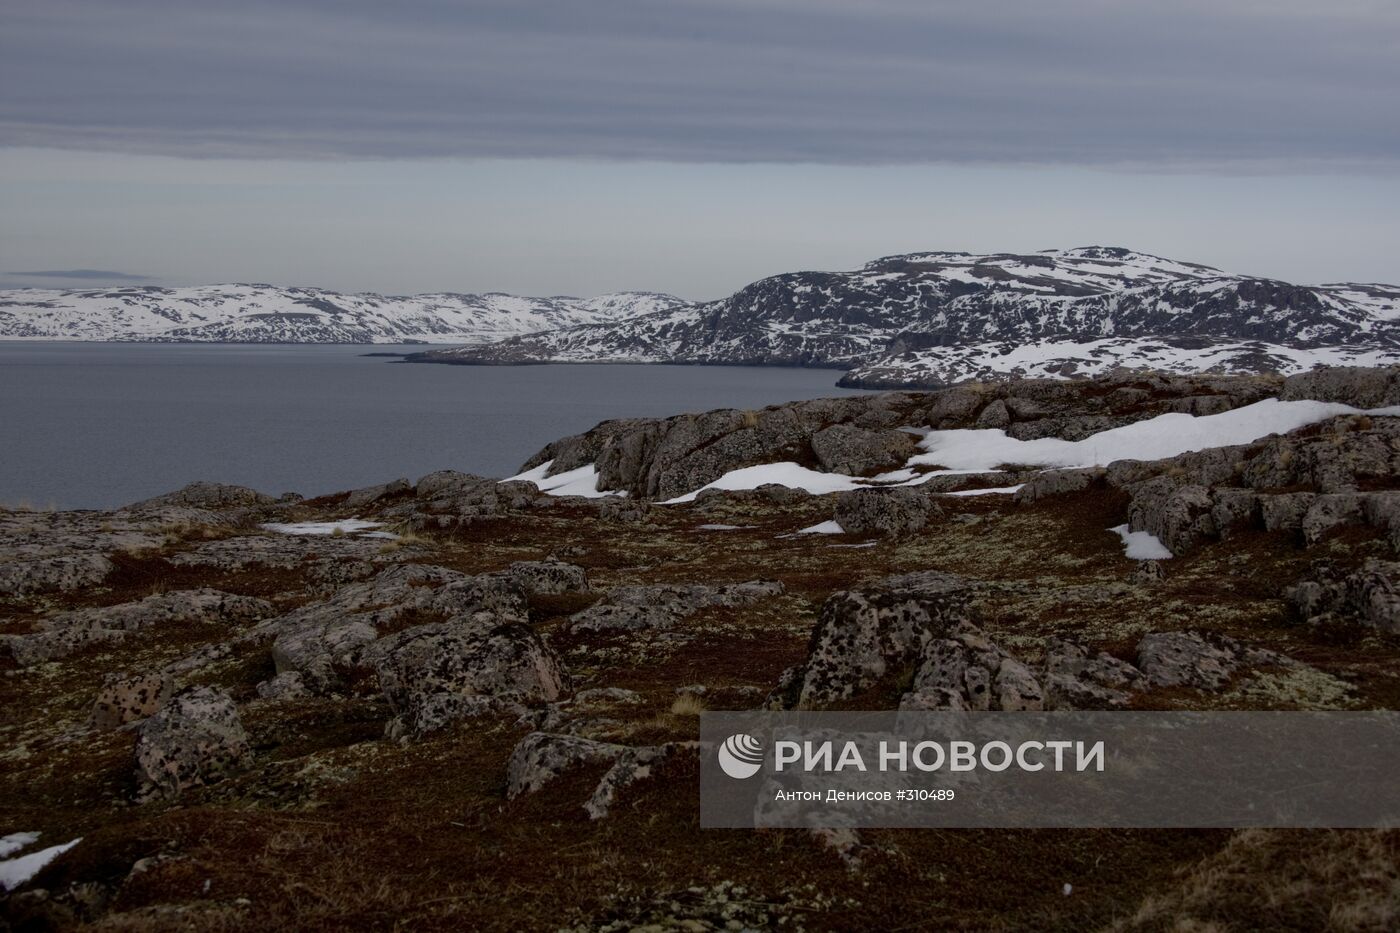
(899, 311)
(270, 314)
(1062, 358)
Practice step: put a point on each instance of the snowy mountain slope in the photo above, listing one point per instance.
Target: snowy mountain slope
(1066, 358)
(268, 314)
(916, 302)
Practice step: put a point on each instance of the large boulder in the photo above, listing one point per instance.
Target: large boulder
(547, 577)
(195, 739)
(322, 641)
(427, 671)
(542, 757)
(890, 512)
(866, 635)
(126, 698)
(856, 451)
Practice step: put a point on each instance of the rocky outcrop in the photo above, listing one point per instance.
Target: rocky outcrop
(1204, 660)
(968, 671)
(543, 757)
(1358, 386)
(638, 608)
(436, 674)
(1076, 678)
(208, 496)
(447, 500)
(323, 641)
(888, 512)
(868, 635)
(370, 495)
(196, 739)
(1368, 596)
(69, 632)
(46, 574)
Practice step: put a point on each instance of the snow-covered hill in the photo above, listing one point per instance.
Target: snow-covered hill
(943, 309)
(268, 314)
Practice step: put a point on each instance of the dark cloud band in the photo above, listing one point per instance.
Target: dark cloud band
(1188, 84)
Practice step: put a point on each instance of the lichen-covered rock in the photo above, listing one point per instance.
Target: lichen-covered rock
(856, 451)
(889, 512)
(469, 656)
(870, 633)
(662, 606)
(541, 757)
(1076, 679)
(1177, 514)
(285, 686)
(995, 415)
(126, 698)
(322, 641)
(1055, 483)
(1285, 511)
(68, 632)
(968, 671)
(195, 739)
(1206, 661)
(1330, 511)
(63, 573)
(547, 577)
(1368, 596)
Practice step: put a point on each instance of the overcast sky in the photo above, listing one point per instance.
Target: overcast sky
(579, 147)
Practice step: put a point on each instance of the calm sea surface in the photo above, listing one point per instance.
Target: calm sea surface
(101, 425)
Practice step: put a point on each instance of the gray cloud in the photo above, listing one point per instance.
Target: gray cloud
(82, 275)
(1189, 84)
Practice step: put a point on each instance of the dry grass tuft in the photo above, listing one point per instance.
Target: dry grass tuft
(687, 704)
(1338, 880)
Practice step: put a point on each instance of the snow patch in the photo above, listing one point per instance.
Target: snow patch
(993, 491)
(1141, 545)
(1154, 439)
(344, 526)
(16, 871)
(581, 481)
(15, 841)
(830, 527)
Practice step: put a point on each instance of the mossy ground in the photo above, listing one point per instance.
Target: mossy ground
(337, 827)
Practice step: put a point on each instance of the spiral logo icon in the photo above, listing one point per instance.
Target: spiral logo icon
(741, 756)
